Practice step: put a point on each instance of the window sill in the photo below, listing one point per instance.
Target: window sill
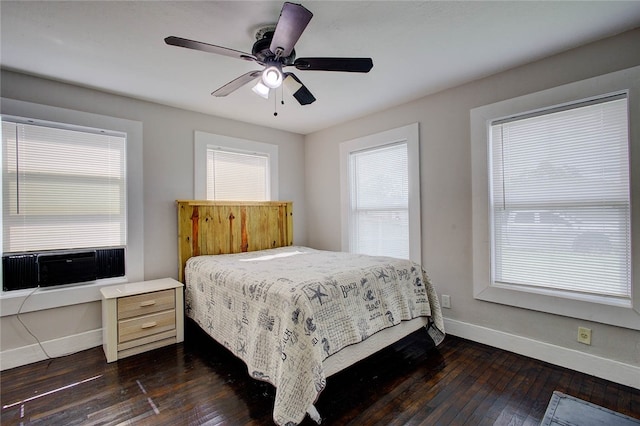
(618, 315)
(43, 298)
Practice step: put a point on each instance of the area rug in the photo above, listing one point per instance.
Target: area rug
(566, 410)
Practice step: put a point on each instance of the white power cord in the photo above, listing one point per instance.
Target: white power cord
(27, 328)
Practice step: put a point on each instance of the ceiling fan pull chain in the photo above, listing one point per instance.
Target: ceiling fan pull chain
(275, 103)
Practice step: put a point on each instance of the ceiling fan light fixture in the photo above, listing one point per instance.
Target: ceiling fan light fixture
(291, 84)
(272, 77)
(261, 90)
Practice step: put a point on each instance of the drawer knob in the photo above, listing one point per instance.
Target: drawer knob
(147, 303)
(149, 324)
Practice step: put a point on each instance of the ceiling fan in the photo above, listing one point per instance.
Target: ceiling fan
(274, 50)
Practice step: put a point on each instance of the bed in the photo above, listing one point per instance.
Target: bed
(294, 315)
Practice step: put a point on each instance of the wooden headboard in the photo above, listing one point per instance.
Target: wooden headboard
(224, 227)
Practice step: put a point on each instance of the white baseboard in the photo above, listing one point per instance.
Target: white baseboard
(615, 371)
(55, 348)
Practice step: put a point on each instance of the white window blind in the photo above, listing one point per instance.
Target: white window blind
(380, 201)
(560, 199)
(62, 188)
(237, 176)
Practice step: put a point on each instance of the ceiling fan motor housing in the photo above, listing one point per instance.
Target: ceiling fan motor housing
(261, 50)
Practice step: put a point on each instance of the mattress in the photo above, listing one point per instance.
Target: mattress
(285, 311)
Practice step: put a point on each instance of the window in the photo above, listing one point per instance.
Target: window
(227, 168)
(379, 187)
(237, 175)
(553, 186)
(560, 199)
(134, 253)
(63, 187)
(381, 196)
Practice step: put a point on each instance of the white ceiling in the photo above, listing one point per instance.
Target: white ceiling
(418, 48)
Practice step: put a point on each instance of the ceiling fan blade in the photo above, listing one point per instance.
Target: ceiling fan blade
(291, 23)
(297, 89)
(237, 83)
(334, 64)
(210, 48)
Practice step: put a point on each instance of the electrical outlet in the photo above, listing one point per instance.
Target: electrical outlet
(446, 301)
(584, 335)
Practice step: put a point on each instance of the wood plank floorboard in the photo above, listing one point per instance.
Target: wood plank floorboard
(198, 382)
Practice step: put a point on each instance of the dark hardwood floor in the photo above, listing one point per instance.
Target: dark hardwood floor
(199, 382)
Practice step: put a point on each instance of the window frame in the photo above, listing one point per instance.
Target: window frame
(408, 134)
(204, 141)
(552, 302)
(10, 301)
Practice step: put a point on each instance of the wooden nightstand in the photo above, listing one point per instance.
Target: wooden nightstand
(137, 317)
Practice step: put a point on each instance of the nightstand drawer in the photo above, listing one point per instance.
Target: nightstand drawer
(142, 304)
(140, 316)
(147, 325)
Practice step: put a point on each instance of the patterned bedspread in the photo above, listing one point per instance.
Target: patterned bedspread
(283, 311)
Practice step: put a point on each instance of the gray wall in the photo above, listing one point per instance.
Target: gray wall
(309, 177)
(168, 156)
(168, 141)
(445, 161)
